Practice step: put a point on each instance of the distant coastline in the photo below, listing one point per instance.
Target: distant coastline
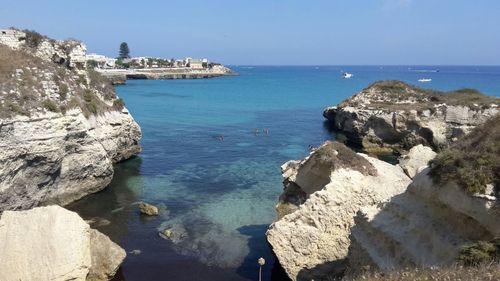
(119, 76)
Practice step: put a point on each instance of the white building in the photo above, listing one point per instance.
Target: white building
(195, 64)
(102, 61)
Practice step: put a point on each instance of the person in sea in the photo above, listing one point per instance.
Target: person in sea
(266, 131)
(257, 131)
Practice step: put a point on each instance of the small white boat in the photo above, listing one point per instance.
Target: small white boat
(347, 75)
(425, 80)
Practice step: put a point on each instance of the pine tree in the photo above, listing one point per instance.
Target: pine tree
(124, 51)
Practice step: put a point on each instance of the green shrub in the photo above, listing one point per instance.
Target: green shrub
(63, 91)
(50, 106)
(473, 161)
(33, 38)
(88, 96)
(480, 252)
(82, 80)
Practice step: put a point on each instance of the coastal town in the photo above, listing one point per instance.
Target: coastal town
(124, 67)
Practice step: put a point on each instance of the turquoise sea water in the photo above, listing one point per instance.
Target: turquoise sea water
(221, 193)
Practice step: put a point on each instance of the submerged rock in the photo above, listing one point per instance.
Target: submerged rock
(392, 115)
(322, 195)
(175, 233)
(148, 209)
(52, 243)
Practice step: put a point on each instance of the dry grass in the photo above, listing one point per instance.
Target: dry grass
(23, 87)
(337, 155)
(396, 95)
(487, 271)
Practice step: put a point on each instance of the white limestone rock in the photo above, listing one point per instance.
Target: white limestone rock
(52, 243)
(67, 131)
(427, 225)
(417, 158)
(106, 257)
(395, 115)
(313, 238)
(57, 159)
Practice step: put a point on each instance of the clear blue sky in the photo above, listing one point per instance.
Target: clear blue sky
(280, 32)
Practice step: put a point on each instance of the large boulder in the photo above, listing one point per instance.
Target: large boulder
(416, 160)
(106, 257)
(52, 243)
(322, 195)
(394, 116)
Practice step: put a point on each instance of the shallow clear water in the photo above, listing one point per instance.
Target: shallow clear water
(222, 192)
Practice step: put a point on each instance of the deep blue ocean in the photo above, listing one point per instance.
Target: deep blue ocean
(219, 192)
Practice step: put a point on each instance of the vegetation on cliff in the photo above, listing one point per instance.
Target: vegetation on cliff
(29, 84)
(336, 155)
(473, 161)
(398, 95)
(487, 271)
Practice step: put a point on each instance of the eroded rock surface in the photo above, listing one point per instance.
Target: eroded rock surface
(425, 226)
(61, 126)
(392, 115)
(322, 195)
(52, 243)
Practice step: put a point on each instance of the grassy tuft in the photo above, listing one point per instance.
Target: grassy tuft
(337, 155)
(480, 252)
(50, 106)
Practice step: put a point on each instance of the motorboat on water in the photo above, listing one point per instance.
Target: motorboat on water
(425, 80)
(347, 75)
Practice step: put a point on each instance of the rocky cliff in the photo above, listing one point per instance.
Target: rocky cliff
(322, 195)
(344, 210)
(51, 243)
(61, 126)
(448, 207)
(393, 116)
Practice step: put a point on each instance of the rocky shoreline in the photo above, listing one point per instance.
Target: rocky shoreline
(119, 76)
(344, 210)
(62, 128)
(392, 116)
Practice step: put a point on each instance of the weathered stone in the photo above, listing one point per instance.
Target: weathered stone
(392, 115)
(148, 209)
(417, 158)
(52, 243)
(427, 225)
(57, 148)
(106, 257)
(59, 159)
(313, 237)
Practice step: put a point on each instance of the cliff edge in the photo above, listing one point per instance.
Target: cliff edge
(61, 125)
(392, 116)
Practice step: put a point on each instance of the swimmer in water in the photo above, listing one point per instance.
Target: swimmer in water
(257, 131)
(266, 131)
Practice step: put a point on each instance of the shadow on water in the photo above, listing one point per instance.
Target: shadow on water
(258, 246)
(111, 204)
